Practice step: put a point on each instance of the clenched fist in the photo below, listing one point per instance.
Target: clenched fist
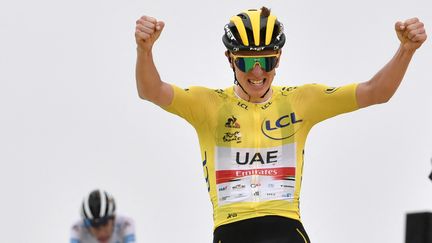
(147, 31)
(411, 33)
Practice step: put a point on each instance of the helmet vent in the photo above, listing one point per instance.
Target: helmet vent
(242, 15)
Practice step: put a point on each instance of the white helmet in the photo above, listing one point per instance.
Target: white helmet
(97, 208)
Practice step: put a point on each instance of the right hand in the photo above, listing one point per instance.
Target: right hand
(411, 33)
(147, 31)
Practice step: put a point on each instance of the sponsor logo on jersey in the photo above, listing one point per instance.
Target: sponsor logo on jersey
(266, 105)
(206, 173)
(231, 215)
(242, 105)
(238, 187)
(253, 172)
(281, 128)
(223, 188)
(284, 91)
(285, 186)
(248, 158)
(221, 93)
(232, 122)
(331, 90)
(253, 185)
(232, 136)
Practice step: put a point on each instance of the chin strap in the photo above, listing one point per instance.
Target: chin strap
(236, 82)
(265, 93)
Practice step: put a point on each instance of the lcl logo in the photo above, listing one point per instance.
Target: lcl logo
(268, 126)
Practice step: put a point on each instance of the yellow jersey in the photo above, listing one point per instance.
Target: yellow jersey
(253, 153)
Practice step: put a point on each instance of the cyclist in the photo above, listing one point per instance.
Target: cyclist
(99, 223)
(252, 134)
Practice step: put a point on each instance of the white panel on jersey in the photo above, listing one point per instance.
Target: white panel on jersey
(255, 174)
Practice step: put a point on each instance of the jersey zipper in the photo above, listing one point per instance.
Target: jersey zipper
(255, 178)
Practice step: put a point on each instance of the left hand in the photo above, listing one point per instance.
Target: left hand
(411, 33)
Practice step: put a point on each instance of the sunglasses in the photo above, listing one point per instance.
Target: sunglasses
(96, 223)
(247, 63)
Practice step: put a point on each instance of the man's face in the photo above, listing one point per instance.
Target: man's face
(103, 232)
(254, 79)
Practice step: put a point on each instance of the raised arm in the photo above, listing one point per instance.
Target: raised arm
(384, 84)
(149, 84)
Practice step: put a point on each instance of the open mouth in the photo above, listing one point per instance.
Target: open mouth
(257, 82)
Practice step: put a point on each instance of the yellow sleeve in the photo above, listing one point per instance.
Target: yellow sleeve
(191, 103)
(323, 102)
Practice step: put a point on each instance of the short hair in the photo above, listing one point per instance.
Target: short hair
(265, 12)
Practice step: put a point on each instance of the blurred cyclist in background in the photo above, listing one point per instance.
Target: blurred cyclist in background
(99, 223)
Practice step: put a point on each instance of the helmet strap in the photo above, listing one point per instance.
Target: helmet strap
(236, 82)
(265, 93)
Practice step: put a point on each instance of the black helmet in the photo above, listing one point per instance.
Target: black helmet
(97, 208)
(254, 30)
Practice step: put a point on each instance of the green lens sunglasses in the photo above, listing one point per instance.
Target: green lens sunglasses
(247, 63)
